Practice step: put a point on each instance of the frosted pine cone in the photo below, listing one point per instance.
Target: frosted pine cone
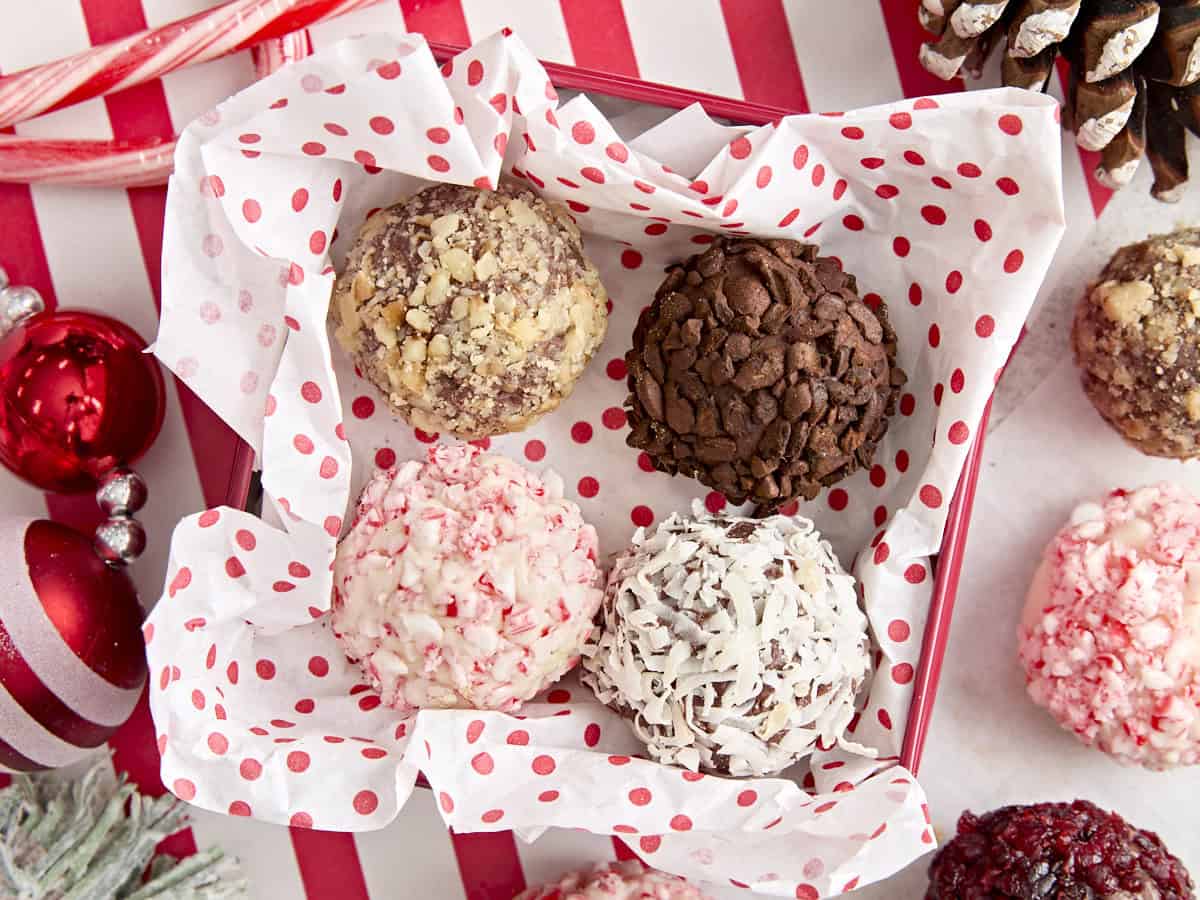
(1134, 68)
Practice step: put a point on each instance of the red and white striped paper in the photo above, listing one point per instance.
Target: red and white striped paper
(101, 248)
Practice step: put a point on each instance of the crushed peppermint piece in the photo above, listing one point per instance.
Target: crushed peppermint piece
(1110, 638)
(733, 645)
(465, 581)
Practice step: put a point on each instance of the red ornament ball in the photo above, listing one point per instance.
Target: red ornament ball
(72, 663)
(77, 397)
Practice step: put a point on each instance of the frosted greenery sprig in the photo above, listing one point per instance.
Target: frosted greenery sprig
(92, 838)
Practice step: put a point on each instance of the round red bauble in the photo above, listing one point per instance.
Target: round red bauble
(77, 397)
(72, 663)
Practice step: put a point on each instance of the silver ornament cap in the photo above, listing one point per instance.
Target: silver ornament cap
(17, 303)
(120, 540)
(121, 492)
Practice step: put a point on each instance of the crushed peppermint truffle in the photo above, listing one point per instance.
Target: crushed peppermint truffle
(1110, 639)
(465, 581)
(629, 880)
(733, 645)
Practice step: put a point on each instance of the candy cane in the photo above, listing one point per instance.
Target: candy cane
(274, 28)
(86, 163)
(92, 163)
(151, 54)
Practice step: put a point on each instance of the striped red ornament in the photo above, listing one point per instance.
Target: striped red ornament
(72, 663)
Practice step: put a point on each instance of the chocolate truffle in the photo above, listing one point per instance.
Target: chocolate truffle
(759, 371)
(629, 880)
(1110, 639)
(465, 581)
(473, 311)
(1138, 346)
(1055, 851)
(731, 644)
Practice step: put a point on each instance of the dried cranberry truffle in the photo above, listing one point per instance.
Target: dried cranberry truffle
(1110, 639)
(628, 880)
(1055, 851)
(473, 311)
(759, 371)
(465, 581)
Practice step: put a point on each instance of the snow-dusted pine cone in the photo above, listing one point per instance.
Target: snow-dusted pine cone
(1134, 71)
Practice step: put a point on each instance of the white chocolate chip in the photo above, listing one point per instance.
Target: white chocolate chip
(505, 304)
(479, 311)
(522, 215)
(385, 333)
(1126, 302)
(439, 287)
(414, 349)
(444, 226)
(486, 266)
(525, 330)
(458, 263)
(419, 319)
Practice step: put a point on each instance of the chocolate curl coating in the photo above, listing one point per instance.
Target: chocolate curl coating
(974, 17)
(1166, 144)
(1174, 55)
(1039, 25)
(1120, 158)
(760, 372)
(1111, 34)
(1029, 72)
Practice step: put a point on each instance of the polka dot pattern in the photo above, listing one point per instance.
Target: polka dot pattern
(323, 436)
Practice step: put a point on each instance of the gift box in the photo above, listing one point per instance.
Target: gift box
(948, 211)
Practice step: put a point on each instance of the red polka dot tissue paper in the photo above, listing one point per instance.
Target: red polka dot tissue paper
(947, 210)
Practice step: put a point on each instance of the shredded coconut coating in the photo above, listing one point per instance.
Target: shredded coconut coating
(1110, 640)
(733, 645)
(628, 880)
(465, 581)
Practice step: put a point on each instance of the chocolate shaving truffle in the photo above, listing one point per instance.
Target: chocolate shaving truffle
(1137, 344)
(733, 645)
(759, 371)
(473, 311)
